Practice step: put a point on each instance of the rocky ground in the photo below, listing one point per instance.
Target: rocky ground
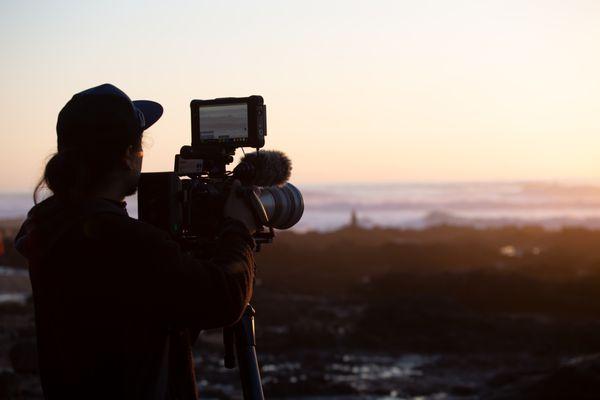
(448, 313)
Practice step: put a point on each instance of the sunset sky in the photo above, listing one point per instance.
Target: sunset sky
(356, 91)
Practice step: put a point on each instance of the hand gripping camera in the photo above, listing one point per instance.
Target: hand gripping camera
(188, 203)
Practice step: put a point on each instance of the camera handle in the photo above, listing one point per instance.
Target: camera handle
(240, 343)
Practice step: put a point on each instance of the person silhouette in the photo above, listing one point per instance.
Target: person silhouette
(117, 302)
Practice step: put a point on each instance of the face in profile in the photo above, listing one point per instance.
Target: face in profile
(133, 159)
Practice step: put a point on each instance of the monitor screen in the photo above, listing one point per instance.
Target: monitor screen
(223, 123)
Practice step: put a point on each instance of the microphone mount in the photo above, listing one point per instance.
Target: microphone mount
(204, 161)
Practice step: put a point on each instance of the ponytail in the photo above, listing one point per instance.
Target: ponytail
(72, 173)
(67, 174)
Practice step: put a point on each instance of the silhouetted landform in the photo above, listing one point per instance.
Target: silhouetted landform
(445, 312)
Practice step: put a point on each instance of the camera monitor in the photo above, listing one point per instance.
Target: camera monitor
(229, 122)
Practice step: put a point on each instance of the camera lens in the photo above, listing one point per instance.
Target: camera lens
(284, 205)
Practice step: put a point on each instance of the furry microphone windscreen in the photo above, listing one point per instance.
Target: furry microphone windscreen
(271, 167)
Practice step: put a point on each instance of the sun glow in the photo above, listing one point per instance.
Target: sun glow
(396, 91)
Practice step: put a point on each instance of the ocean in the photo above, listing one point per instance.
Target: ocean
(420, 205)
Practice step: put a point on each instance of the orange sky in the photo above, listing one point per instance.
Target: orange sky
(383, 91)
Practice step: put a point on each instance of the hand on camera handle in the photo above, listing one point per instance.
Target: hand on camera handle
(237, 208)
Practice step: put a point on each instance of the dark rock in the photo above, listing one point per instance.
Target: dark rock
(9, 386)
(23, 357)
(463, 390)
(578, 378)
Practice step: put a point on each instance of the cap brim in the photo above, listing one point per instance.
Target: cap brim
(152, 111)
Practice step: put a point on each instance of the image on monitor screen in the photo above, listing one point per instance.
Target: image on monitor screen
(224, 123)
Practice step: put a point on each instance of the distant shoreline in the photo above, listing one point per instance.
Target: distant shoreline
(552, 205)
(9, 227)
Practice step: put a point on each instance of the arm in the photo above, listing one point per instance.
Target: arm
(204, 294)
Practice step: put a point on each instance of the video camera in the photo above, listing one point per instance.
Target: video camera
(188, 202)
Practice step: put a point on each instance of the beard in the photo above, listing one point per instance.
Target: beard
(131, 190)
(132, 184)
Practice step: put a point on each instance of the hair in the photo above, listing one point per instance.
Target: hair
(73, 172)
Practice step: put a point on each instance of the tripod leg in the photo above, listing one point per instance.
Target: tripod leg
(245, 345)
(228, 344)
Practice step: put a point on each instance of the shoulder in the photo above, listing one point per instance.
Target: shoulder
(127, 241)
(123, 229)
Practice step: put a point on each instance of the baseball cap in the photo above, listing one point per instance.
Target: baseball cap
(104, 114)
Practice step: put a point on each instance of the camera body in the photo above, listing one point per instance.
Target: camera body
(188, 202)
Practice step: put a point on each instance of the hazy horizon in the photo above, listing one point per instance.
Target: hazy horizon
(417, 205)
(582, 182)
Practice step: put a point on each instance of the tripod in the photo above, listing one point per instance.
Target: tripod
(240, 343)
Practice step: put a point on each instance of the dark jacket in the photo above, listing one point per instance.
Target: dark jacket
(117, 302)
